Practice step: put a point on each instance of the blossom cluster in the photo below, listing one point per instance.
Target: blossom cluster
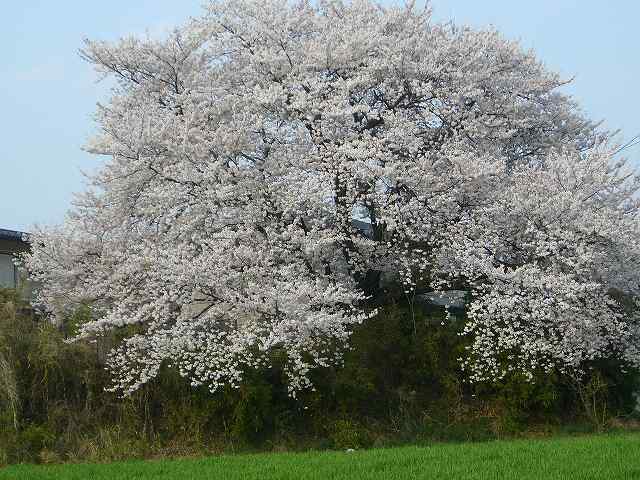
(219, 233)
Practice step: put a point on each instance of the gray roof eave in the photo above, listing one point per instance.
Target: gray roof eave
(14, 235)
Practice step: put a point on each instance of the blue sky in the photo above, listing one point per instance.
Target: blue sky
(48, 94)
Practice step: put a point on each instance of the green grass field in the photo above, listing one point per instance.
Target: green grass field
(608, 457)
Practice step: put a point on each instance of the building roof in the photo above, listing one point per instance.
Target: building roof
(14, 235)
(365, 227)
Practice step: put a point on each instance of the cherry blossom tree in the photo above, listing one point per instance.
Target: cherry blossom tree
(240, 149)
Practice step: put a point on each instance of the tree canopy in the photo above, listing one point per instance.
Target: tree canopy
(240, 149)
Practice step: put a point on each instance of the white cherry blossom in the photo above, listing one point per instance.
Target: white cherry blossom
(239, 150)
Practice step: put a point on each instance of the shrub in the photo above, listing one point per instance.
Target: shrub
(400, 382)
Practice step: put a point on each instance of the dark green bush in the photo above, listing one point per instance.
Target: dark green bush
(400, 382)
(348, 434)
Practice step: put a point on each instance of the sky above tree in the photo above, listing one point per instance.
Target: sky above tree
(49, 94)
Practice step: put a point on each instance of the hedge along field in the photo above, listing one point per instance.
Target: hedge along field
(588, 457)
(57, 410)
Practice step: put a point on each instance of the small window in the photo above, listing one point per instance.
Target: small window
(8, 274)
